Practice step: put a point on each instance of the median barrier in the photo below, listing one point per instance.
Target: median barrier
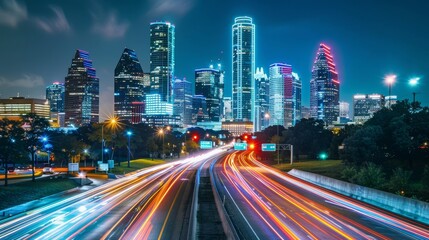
(407, 207)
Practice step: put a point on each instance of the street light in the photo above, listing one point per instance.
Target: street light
(161, 132)
(129, 133)
(112, 122)
(390, 80)
(414, 82)
(47, 147)
(86, 152)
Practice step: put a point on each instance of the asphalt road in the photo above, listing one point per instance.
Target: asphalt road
(153, 203)
(267, 204)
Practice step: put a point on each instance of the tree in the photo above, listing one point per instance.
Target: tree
(10, 143)
(309, 137)
(363, 146)
(399, 181)
(35, 127)
(371, 175)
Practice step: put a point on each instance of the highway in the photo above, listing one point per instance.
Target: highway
(264, 203)
(153, 203)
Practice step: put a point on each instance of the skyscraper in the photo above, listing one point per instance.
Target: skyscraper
(262, 93)
(55, 96)
(344, 110)
(209, 83)
(129, 86)
(182, 91)
(243, 69)
(199, 109)
(162, 59)
(296, 98)
(284, 90)
(324, 87)
(81, 91)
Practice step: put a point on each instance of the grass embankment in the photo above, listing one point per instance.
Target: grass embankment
(136, 165)
(23, 192)
(328, 168)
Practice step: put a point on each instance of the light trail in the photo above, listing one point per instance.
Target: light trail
(291, 208)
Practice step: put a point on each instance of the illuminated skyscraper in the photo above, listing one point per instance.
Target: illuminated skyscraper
(344, 110)
(296, 98)
(209, 83)
(243, 69)
(324, 87)
(81, 91)
(128, 85)
(162, 60)
(183, 97)
(55, 95)
(285, 95)
(262, 93)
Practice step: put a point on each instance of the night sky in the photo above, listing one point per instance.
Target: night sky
(369, 39)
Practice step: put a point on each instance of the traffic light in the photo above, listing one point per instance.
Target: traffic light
(252, 146)
(195, 137)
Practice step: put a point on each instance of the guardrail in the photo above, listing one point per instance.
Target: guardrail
(403, 206)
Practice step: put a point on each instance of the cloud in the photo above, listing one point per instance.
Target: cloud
(26, 81)
(58, 23)
(109, 26)
(163, 7)
(11, 13)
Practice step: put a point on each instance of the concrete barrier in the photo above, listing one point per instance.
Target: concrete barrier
(407, 207)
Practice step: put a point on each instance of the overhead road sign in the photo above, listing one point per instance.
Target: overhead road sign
(268, 147)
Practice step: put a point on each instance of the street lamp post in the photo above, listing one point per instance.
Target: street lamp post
(113, 121)
(129, 133)
(86, 152)
(413, 82)
(390, 80)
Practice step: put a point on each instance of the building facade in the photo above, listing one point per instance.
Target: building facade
(162, 42)
(262, 93)
(128, 84)
(182, 92)
(227, 109)
(209, 83)
(55, 96)
(365, 105)
(81, 104)
(15, 107)
(199, 109)
(285, 95)
(296, 99)
(344, 110)
(324, 87)
(243, 69)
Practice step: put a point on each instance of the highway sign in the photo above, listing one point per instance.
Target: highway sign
(206, 144)
(268, 147)
(240, 146)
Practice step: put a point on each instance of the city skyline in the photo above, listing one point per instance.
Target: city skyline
(374, 40)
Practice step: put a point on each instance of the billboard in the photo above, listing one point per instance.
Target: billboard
(268, 147)
(206, 144)
(240, 146)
